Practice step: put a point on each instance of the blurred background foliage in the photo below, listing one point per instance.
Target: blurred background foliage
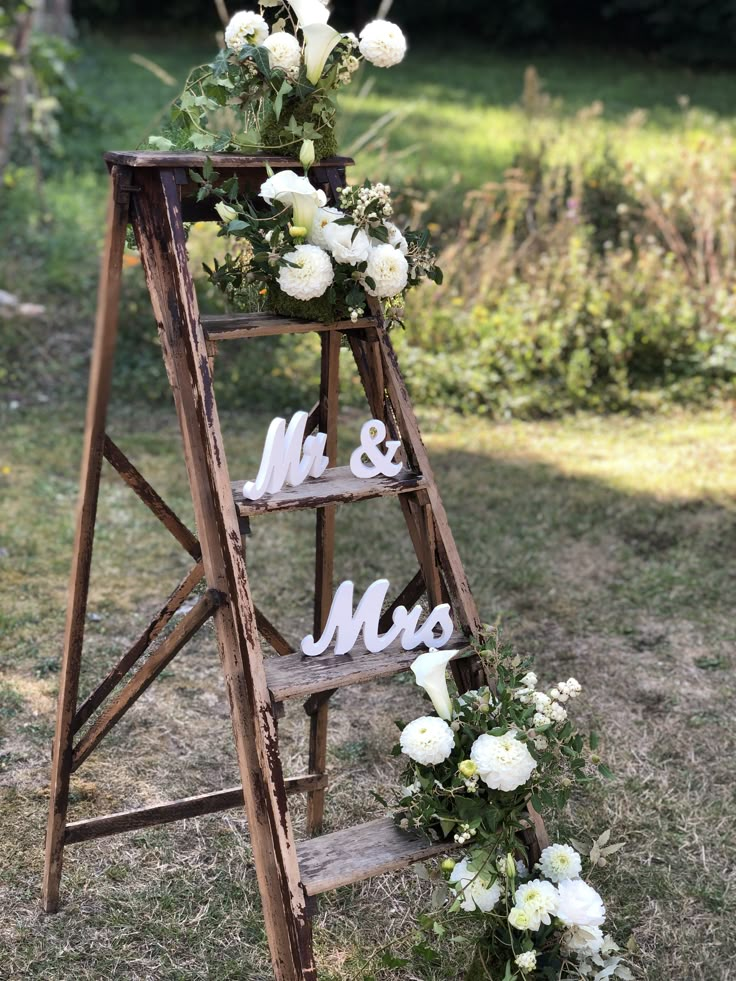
(581, 194)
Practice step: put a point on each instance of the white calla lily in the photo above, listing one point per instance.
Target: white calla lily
(430, 670)
(319, 40)
(309, 12)
(297, 192)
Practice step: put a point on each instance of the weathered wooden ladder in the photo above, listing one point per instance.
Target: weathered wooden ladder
(156, 194)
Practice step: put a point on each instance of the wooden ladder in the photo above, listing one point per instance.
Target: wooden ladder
(155, 192)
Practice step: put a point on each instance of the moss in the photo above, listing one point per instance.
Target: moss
(275, 135)
(324, 309)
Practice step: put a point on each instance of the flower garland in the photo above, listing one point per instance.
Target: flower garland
(274, 85)
(305, 259)
(474, 768)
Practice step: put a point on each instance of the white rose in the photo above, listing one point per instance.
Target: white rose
(388, 269)
(310, 274)
(427, 740)
(474, 888)
(322, 219)
(584, 940)
(284, 51)
(382, 43)
(579, 904)
(559, 862)
(504, 763)
(245, 27)
(347, 243)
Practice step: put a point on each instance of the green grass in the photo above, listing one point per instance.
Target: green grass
(604, 547)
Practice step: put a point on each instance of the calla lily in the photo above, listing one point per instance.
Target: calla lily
(430, 670)
(291, 189)
(309, 12)
(319, 40)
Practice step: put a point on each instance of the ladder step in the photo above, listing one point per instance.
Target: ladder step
(336, 486)
(357, 853)
(295, 675)
(235, 326)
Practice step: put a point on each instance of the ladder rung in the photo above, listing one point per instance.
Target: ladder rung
(336, 486)
(357, 853)
(235, 326)
(295, 675)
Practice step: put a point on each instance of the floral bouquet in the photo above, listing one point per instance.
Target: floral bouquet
(475, 768)
(275, 85)
(309, 260)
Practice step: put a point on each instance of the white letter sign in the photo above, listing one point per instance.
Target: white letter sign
(285, 460)
(369, 446)
(346, 626)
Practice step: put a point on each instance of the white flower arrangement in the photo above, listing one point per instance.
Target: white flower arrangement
(473, 770)
(284, 74)
(363, 253)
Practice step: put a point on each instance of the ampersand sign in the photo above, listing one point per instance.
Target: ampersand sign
(372, 434)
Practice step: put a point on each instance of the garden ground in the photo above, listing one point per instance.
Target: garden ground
(603, 547)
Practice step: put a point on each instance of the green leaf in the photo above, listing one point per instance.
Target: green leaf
(202, 141)
(593, 740)
(160, 143)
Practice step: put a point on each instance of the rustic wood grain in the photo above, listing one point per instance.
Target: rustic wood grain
(274, 636)
(357, 853)
(151, 498)
(185, 629)
(324, 564)
(94, 436)
(138, 649)
(161, 239)
(169, 159)
(240, 326)
(296, 675)
(337, 485)
(178, 810)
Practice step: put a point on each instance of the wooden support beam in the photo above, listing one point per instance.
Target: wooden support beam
(271, 633)
(177, 810)
(106, 326)
(151, 498)
(164, 653)
(134, 653)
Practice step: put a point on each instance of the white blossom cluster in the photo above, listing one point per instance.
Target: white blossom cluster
(384, 269)
(381, 42)
(548, 706)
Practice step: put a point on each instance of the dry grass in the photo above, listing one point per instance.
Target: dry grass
(606, 548)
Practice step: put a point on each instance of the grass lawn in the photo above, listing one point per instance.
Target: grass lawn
(603, 546)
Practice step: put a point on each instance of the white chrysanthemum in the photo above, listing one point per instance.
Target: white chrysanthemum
(474, 889)
(388, 269)
(579, 904)
(245, 27)
(284, 51)
(310, 274)
(559, 862)
(583, 940)
(527, 961)
(347, 243)
(538, 900)
(504, 763)
(427, 740)
(382, 43)
(322, 219)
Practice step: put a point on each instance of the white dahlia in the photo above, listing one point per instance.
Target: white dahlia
(538, 900)
(579, 905)
(388, 269)
(504, 763)
(284, 51)
(474, 889)
(427, 740)
(382, 43)
(322, 219)
(347, 243)
(559, 862)
(583, 940)
(245, 27)
(310, 274)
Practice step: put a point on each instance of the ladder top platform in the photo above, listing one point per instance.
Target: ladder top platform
(231, 161)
